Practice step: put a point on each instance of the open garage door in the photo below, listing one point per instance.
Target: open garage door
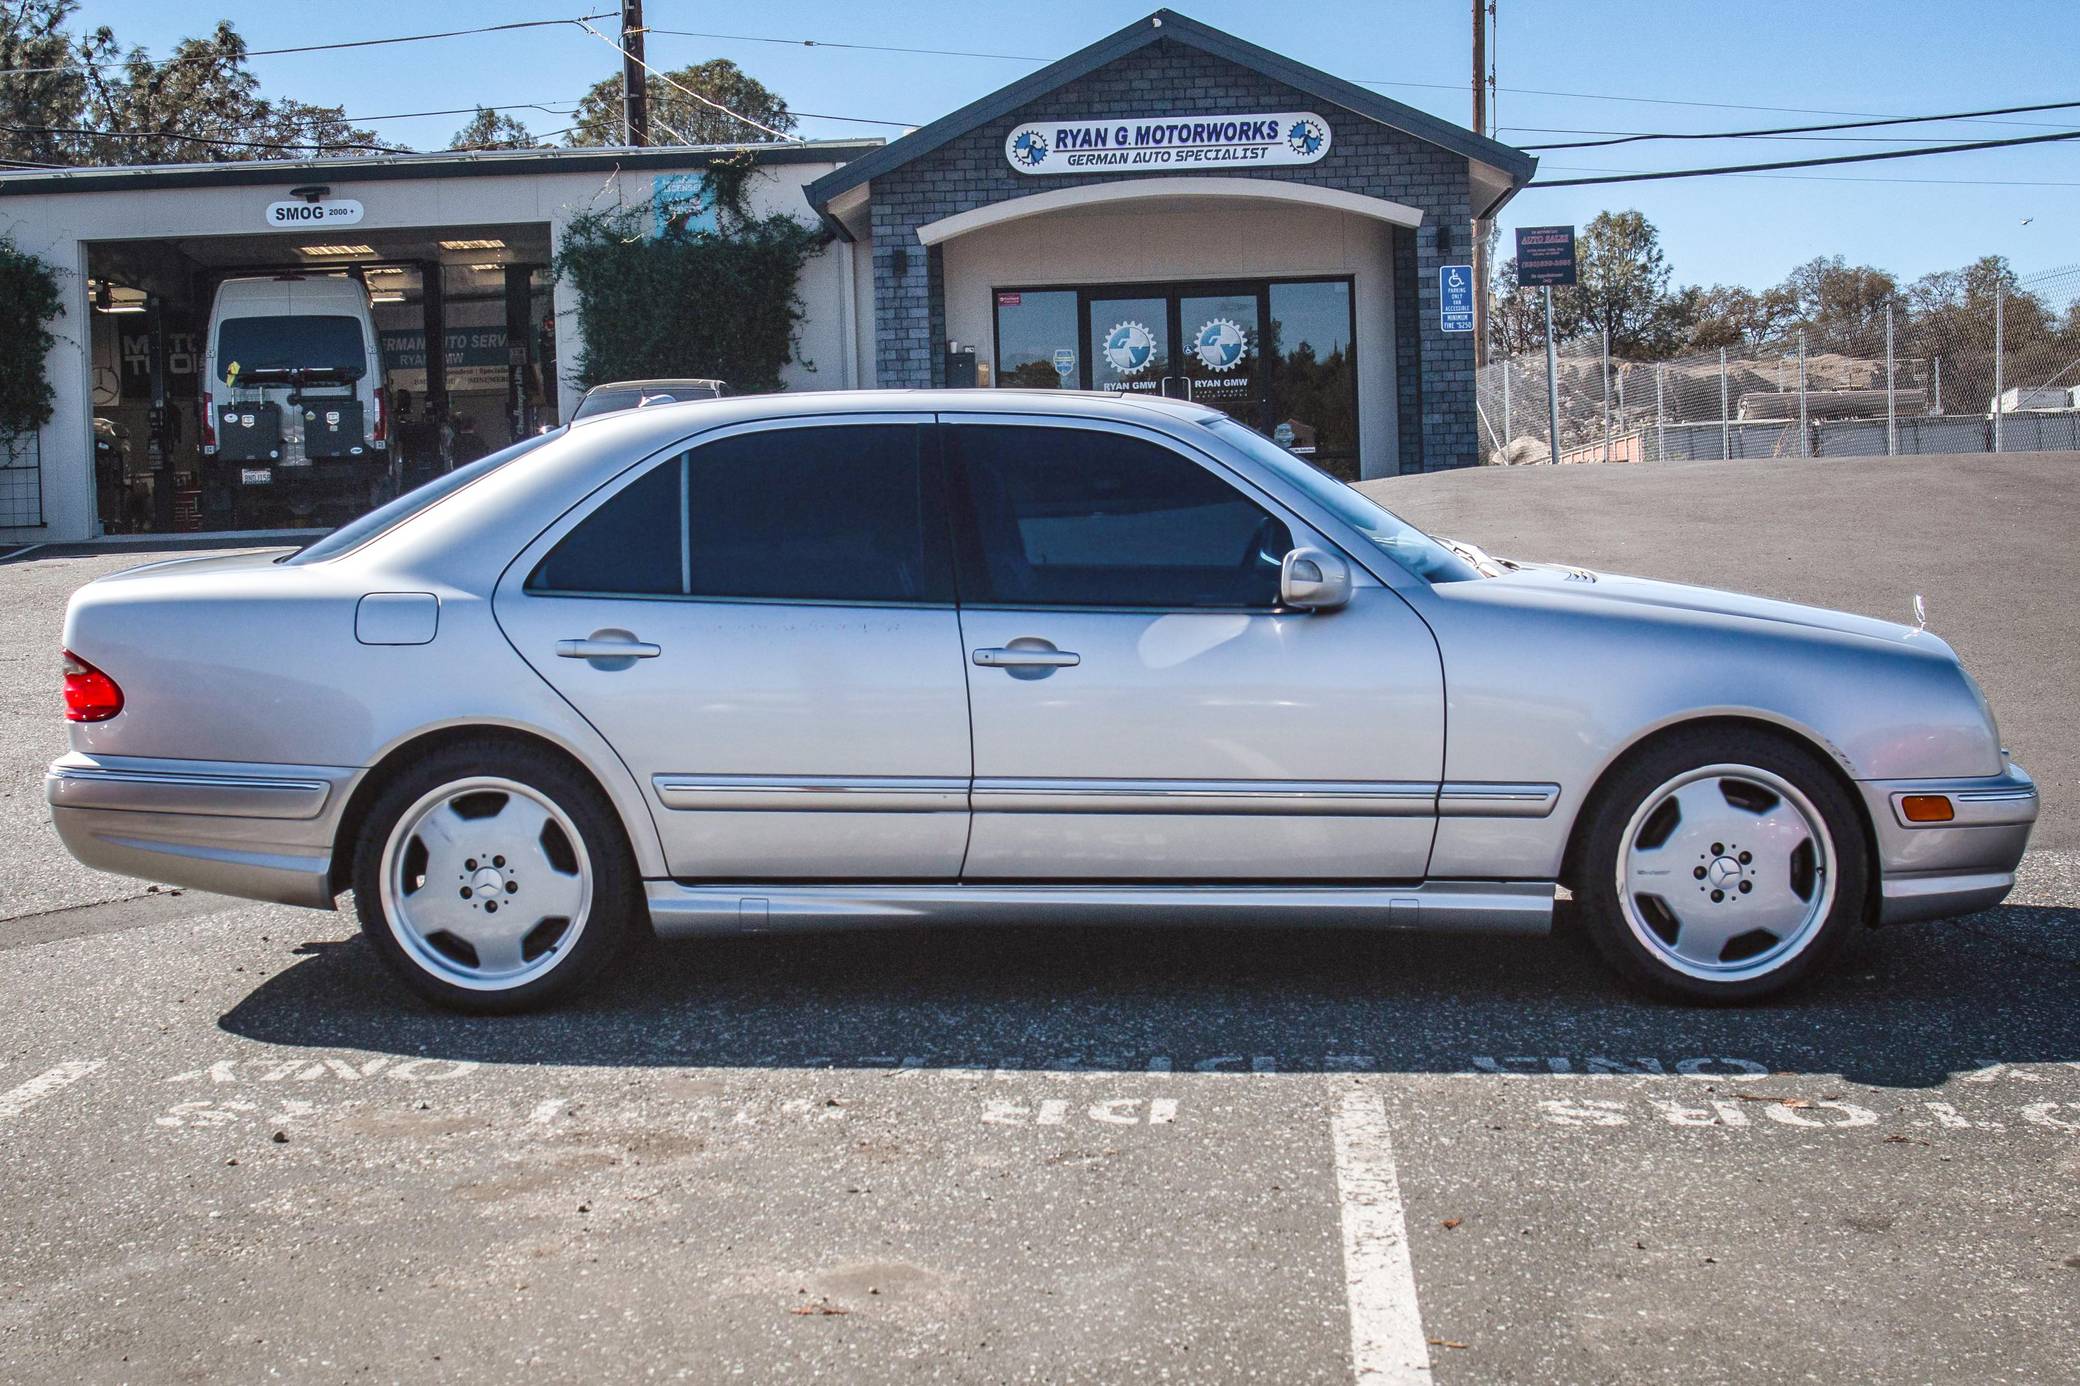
(274, 382)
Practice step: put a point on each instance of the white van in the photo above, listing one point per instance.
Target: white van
(294, 413)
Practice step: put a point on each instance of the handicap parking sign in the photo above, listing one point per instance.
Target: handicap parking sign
(1455, 298)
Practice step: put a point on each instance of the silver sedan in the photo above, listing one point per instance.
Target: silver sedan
(791, 662)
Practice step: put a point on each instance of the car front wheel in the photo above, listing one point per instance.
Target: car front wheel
(494, 878)
(1723, 866)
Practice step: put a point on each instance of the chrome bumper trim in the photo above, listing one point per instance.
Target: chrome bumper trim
(1487, 907)
(221, 791)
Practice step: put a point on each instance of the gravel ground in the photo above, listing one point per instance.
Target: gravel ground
(236, 1151)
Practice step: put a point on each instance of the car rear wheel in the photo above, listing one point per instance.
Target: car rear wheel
(1723, 866)
(493, 878)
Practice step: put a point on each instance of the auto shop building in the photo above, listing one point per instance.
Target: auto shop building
(1169, 210)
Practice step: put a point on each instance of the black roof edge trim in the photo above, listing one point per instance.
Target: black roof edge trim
(1160, 25)
(283, 173)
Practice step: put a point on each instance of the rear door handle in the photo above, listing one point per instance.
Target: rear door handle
(607, 649)
(1023, 657)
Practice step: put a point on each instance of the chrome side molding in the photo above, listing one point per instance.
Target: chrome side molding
(1347, 798)
(679, 910)
(813, 793)
(1482, 799)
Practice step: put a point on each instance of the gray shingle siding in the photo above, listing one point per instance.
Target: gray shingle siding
(1435, 369)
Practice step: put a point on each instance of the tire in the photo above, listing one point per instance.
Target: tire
(483, 828)
(1722, 866)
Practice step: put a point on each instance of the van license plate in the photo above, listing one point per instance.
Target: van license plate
(255, 476)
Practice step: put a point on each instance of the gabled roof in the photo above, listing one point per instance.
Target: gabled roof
(1168, 24)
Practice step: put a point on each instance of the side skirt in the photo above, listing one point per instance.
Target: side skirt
(1483, 907)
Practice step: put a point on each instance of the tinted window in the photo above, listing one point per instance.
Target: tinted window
(1075, 517)
(311, 341)
(831, 514)
(629, 545)
(811, 514)
(358, 532)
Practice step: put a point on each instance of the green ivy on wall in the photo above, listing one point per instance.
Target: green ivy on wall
(29, 303)
(706, 303)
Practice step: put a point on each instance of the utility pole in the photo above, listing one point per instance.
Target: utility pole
(1552, 383)
(1480, 227)
(635, 85)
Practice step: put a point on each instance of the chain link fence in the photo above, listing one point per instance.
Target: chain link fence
(1970, 364)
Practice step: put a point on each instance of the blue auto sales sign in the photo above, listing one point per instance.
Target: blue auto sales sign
(1216, 140)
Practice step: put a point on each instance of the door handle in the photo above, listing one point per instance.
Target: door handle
(606, 649)
(1027, 657)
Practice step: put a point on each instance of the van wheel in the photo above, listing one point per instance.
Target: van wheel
(494, 878)
(1722, 867)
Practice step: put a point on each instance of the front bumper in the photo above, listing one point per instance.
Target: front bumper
(264, 832)
(1934, 870)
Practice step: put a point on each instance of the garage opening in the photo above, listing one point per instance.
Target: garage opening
(269, 382)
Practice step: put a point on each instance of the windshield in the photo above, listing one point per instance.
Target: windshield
(1394, 536)
(314, 341)
(358, 532)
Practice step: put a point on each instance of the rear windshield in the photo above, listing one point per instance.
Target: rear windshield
(375, 522)
(605, 401)
(315, 341)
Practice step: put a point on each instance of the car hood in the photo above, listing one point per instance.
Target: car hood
(1616, 590)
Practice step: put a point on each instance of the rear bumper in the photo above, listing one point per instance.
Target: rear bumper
(1933, 870)
(264, 832)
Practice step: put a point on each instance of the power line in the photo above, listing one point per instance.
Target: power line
(1632, 137)
(1765, 139)
(1671, 101)
(666, 78)
(1810, 163)
(311, 47)
(861, 47)
(1843, 178)
(304, 147)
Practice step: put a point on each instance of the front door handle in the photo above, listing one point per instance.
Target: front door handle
(622, 647)
(1027, 657)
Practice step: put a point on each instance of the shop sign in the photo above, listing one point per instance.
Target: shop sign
(1455, 298)
(1065, 362)
(288, 216)
(681, 203)
(1545, 255)
(1201, 140)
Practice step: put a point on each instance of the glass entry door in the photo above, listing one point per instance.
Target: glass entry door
(1128, 349)
(1222, 361)
(1274, 354)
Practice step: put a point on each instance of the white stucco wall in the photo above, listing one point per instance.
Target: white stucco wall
(1193, 240)
(61, 225)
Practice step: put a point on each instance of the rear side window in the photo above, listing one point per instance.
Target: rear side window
(834, 514)
(304, 341)
(1078, 517)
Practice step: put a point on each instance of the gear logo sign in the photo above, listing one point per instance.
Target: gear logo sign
(1029, 149)
(1221, 344)
(1129, 347)
(1306, 138)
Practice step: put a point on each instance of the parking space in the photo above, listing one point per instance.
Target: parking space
(236, 1149)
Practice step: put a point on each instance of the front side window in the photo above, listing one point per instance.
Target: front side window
(1080, 517)
(832, 514)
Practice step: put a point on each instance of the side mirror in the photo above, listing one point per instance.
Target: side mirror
(1314, 580)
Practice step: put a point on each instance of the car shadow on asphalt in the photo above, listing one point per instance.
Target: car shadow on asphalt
(1906, 1007)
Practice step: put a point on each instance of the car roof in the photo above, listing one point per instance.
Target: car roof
(668, 421)
(660, 383)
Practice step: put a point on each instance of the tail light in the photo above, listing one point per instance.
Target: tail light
(382, 414)
(209, 421)
(90, 695)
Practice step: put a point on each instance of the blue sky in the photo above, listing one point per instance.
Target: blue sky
(1897, 58)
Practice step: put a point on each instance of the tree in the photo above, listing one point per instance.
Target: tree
(1826, 292)
(677, 118)
(1516, 314)
(46, 88)
(1623, 282)
(489, 129)
(1727, 315)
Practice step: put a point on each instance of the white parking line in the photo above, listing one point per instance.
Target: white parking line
(1387, 1343)
(13, 1101)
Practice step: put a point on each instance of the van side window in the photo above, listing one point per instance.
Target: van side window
(1082, 517)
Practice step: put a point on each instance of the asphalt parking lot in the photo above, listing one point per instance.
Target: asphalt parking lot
(235, 1150)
